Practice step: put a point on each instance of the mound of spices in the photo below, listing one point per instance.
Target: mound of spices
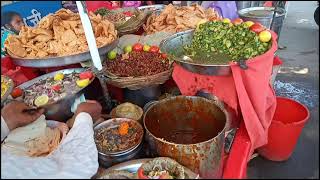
(137, 64)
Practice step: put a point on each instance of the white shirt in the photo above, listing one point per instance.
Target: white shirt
(76, 156)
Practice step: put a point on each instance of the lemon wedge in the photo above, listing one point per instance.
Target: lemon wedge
(58, 76)
(83, 82)
(41, 100)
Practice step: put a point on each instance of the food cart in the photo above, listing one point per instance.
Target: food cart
(129, 63)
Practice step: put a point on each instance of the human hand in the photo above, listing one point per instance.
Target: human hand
(15, 116)
(91, 107)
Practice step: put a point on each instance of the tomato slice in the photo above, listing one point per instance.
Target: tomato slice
(141, 174)
(86, 75)
(17, 92)
(56, 87)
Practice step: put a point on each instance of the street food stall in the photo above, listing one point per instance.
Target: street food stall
(185, 92)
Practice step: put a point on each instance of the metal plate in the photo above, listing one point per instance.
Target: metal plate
(133, 166)
(174, 47)
(63, 60)
(153, 8)
(61, 109)
(9, 90)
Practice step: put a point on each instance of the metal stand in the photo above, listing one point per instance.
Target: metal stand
(103, 83)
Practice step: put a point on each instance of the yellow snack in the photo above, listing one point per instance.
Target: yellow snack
(58, 76)
(41, 100)
(83, 83)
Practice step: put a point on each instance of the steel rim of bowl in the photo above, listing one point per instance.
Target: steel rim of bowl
(45, 76)
(200, 143)
(58, 57)
(164, 43)
(246, 10)
(109, 121)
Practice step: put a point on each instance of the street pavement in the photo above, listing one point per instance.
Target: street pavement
(298, 79)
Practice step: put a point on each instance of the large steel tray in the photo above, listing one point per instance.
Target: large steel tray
(174, 47)
(61, 109)
(63, 60)
(133, 166)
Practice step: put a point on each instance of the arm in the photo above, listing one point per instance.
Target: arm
(76, 156)
(4, 129)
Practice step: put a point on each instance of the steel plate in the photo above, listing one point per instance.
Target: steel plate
(153, 8)
(63, 60)
(59, 110)
(174, 47)
(133, 166)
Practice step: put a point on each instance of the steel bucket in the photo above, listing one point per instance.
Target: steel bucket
(189, 129)
(264, 16)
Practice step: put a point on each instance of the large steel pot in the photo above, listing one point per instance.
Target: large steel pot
(189, 129)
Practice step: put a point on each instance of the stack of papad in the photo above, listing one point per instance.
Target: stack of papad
(177, 19)
(59, 34)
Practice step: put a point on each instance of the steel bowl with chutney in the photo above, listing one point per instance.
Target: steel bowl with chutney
(118, 140)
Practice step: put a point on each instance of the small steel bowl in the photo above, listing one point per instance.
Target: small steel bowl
(109, 159)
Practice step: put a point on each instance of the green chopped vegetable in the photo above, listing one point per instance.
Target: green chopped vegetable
(218, 39)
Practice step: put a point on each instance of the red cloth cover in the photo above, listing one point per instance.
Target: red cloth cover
(250, 89)
(94, 5)
(18, 74)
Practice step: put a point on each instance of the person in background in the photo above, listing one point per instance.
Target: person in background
(11, 23)
(131, 3)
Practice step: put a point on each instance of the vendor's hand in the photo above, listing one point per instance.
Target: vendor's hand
(15, 117)
(91, 107)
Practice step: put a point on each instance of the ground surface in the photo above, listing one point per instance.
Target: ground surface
(298, 79)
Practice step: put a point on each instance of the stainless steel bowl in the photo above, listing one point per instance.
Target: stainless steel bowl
(174, 47)
(61, 109)
(109, 159)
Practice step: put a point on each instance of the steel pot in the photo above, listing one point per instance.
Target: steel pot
(189, 129)
(264, 16)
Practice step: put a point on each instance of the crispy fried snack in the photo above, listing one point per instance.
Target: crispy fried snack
(175, 19)
(59, 34)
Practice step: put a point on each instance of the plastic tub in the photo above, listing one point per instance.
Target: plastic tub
(284, 131)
